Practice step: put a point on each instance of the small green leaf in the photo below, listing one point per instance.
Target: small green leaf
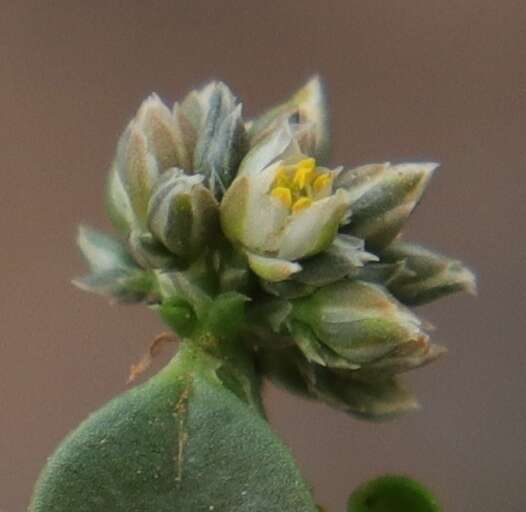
(226, 315)
(392, 493)
(178, 315)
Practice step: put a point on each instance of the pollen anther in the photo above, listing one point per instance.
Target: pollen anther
(283, 194)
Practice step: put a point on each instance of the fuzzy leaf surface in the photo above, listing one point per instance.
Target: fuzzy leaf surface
(181, 442)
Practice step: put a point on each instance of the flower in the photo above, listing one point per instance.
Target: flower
(282, 207)
(224, 217)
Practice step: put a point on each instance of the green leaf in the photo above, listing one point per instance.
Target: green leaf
(184, 441)
(392, 493)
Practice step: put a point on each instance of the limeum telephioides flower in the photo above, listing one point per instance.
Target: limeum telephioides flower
(219, 215)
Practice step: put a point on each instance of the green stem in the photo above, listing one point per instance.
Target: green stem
(229, 360)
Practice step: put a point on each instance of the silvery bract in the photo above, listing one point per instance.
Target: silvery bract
(243, 228)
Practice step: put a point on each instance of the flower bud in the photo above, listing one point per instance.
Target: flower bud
(382, 197)
(195, 105)
(410, 355)
(167, 134)
(182, 213)
(351, 324)
(306, 108)
(132, 178)
(428, 275)
(155, 140)
(222, 141)
(149, 253)
(373, 399)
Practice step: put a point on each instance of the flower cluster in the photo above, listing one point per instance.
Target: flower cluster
(242, 228)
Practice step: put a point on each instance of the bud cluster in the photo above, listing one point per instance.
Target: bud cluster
(241, 228)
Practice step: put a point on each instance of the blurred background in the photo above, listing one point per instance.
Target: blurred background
(435, 80)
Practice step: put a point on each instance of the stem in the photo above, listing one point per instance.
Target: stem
(228, 360)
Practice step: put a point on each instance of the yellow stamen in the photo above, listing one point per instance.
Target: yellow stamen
(302, 177)
(301, 204)
(310, 163)
(282, 178)
(321, 182)
(283, 194)
(293, 184)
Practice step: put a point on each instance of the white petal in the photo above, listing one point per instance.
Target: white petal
(313, 229)
(272, 269)
(313, 110)
(265, 215)
(279, 144)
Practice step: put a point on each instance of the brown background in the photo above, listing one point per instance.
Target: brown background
(441, 80)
